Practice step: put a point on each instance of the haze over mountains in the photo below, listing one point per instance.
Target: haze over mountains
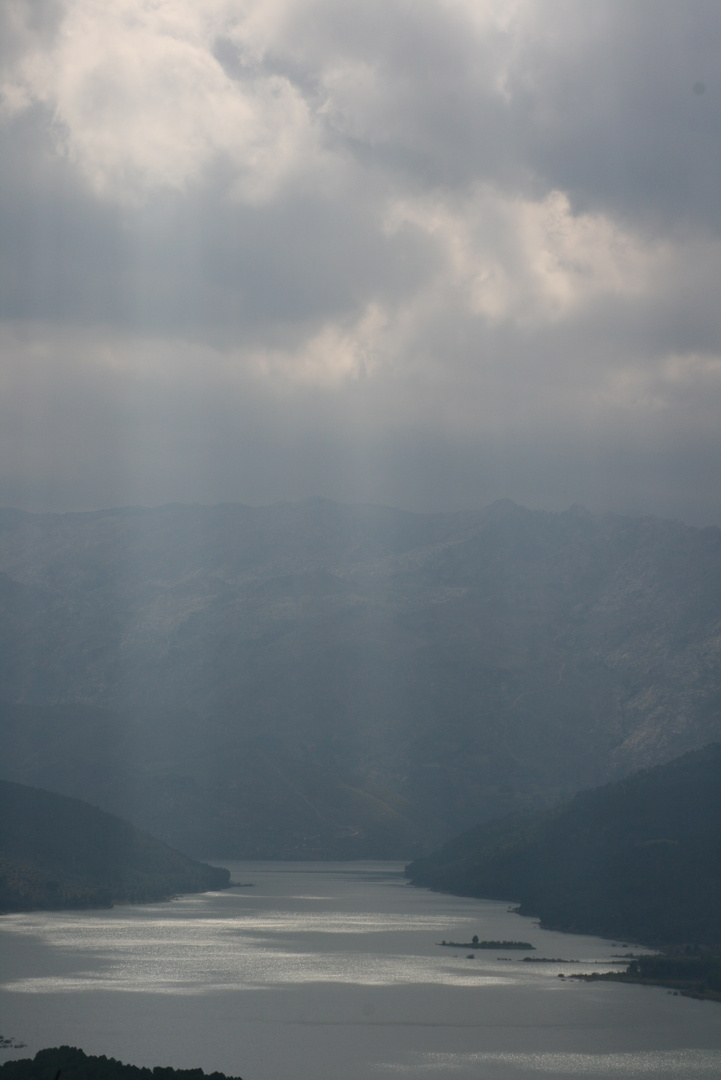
(321, 679)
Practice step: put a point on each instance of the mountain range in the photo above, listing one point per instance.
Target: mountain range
(317, 679)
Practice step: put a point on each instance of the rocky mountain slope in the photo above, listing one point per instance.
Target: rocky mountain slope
(452, 666)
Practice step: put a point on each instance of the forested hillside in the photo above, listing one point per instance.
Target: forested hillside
(57, 852)
(638, 860)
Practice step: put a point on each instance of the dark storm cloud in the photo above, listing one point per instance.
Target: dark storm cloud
(599, 99)
(429, 253)
(614, 115)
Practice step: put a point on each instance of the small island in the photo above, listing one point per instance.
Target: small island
(475, 943)
(552, 960)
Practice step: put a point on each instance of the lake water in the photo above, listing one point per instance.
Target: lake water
(332, 972)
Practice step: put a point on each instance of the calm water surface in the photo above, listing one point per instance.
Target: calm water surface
(332, 972)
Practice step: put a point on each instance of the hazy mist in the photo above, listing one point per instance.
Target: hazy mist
(427, 255)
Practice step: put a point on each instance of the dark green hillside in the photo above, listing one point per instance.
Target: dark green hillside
(73, 1064)
(57, 852)
(639, 859)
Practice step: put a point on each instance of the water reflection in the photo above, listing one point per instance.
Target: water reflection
(328, 971)
(678, 1065)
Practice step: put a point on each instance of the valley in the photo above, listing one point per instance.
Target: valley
(321, 680)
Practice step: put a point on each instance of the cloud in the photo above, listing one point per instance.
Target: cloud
(139, 101)
(429, 253)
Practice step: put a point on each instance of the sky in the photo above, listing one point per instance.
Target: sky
(428, 254)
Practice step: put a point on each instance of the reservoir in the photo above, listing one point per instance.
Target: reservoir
(333, 971)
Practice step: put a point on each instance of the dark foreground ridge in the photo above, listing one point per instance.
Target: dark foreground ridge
(57, 852)
(73, 1064)
(638, 860)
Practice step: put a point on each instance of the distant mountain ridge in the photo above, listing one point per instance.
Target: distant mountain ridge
(638, 860)
(57, 852)
(434, 670)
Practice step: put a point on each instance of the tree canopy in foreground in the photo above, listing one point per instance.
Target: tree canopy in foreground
(73, 1064)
